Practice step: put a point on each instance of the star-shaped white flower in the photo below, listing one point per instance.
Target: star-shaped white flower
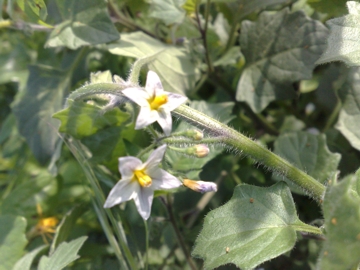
(156, 104)
(139, 180)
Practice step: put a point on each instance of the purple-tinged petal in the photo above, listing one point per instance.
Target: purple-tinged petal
(146, 117)
(144, 201)
(165, 121)
(155, 158)
(137, 95)
(174, 101)
(123, 191)
(153, 84)
(127, 166)
(163, 180)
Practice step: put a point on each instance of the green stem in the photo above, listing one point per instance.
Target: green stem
(178, 234)
(203, 33)
(307, 228)
(96, 89)
(333, 116)
(232, 138)
(146, 244)
(254, 150)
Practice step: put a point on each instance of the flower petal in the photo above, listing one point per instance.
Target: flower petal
(155, 158)
(144, 201)
(137, 95)
(124, 190)
(165, 121)
(146, 117)
(174, 101)
(163, 180)
(127, 166)
(153, 84)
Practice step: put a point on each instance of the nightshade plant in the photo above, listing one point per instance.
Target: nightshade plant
(232, 125)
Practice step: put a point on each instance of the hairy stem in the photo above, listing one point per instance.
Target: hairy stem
(228, 136)
(248, 147)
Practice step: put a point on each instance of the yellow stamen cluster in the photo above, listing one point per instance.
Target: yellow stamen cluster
(157, 101)
(143, 179)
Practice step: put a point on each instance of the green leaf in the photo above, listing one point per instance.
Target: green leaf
(44, 95)
(14, 65)
(22, 200)
(103, 143)
(341, 209)
(291, 123)
(64, 229)
(12, 240)
(245, 7)
(279, 49)
(169, 11)
(173, 65)
(309, 153)
(349, 116)
(84, 23)
(35, 9)
(231, 57)
(25, 262)
(63, 255)
(80, 119)
(331, 8)
(256, 225)
(344, 41)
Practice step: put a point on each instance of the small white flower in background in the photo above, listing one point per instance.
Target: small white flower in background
(156, 104)
(200, 186)
(139, 180)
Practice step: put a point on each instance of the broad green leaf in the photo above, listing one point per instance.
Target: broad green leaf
(309, 153)
(173, 65)
(63, 255)
(256, 225)
(192, 166)
(279, 49)
(341, 210)
(169, 11)
(25, 262)
(84, 23)
(35, 9)
(344, 41)
(291, 123)
(245, 7)
(231, 57)
(349, 116)
(81, 119)
(64, 229)
(22, 200)
(331, 8)
(12, 240)
(14, 65)
(44, 96)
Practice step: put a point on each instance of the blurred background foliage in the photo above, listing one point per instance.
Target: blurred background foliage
(218, 55)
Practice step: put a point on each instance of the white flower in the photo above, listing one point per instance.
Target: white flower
(156, 104)
(139, 180)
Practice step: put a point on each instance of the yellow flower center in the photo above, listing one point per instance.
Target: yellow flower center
(47, 225)
(143, 179)
(157, 101)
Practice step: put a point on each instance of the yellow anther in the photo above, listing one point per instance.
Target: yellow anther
(156, 102)
(143, 179)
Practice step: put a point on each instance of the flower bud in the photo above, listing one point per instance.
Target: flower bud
(200, 186)
(194, 134)
(200, 150)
